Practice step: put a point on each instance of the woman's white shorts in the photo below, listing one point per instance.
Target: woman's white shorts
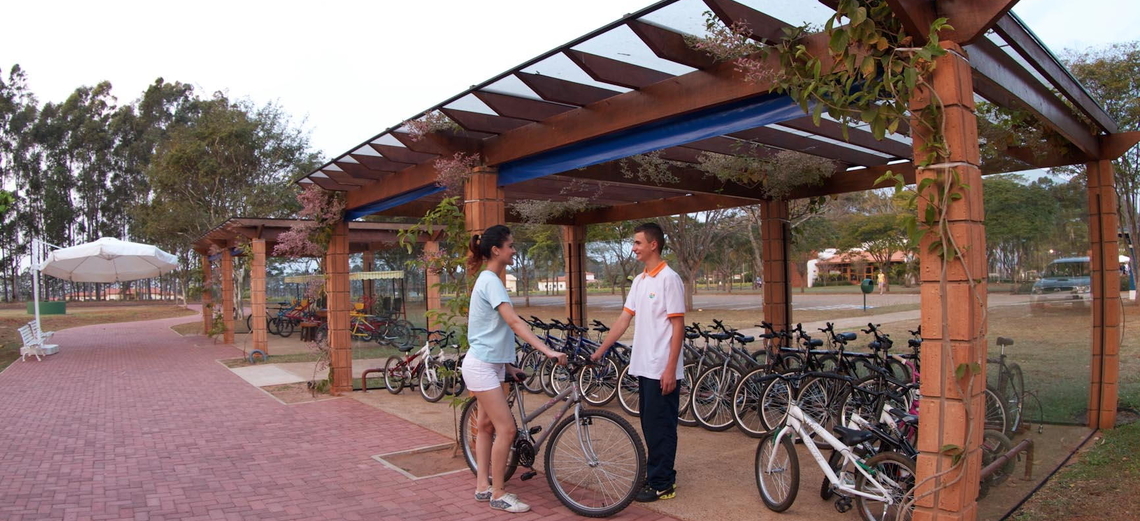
(482, 376)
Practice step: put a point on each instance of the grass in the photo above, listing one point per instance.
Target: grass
(1099, 485)
(13, 316)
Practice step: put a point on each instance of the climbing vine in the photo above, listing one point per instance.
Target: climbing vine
(321, 210)
(434, 121)
(447, 217)
(874, 73)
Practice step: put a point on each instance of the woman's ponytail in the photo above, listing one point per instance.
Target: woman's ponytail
(474, 257)
(479, 250)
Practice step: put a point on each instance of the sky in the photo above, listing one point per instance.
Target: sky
(348, 70)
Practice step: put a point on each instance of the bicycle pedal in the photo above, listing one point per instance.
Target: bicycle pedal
(526, 476)
(535, 430)
(843, 504)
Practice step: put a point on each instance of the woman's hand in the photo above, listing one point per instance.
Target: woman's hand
(560, 357)
(514, 372)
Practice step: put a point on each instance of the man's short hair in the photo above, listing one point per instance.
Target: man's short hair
(653, 233)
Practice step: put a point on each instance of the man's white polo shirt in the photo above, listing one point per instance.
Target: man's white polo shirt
(655, 297)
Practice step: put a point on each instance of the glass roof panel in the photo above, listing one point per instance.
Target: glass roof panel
(559, 66)
(684, 16)
(513, 86)
(471, 104)
(387, 139)
(793, 13)
(366, 151)
(843, 144)
(623, 45)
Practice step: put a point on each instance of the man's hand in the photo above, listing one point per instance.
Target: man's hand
(597, 355)
(559, 358)
(668, 381)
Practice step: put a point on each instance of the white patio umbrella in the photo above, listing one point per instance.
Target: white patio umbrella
(105, 260)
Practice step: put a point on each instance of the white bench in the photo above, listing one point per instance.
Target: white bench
(42, 335)
(33, 346)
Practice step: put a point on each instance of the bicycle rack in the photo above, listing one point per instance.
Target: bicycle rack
(1025, 446)
(364, 377)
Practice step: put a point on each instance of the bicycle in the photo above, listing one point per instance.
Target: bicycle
(882, 486)
(399, 372)
(1010, 386)
(441, 375)
(595, 460)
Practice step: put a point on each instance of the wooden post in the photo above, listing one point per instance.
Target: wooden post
(207, 296)
(574, 253)
(228, 294)
(944, 401)
(483, 204)
(433, 302)
(339, 304)
(257, 297)
(774, 248)
(1105, 363)
(369, 289)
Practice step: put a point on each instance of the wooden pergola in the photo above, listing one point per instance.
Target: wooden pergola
(554, 127)
(262, 234)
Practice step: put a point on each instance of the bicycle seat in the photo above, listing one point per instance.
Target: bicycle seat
(847, 337)
(903, 416)
(719, 336)
(745, 339)
(1004, 341)
(853, 436)
(815, 342)
(915, 342)
(405, 349)
(692, 336)
(875, 345)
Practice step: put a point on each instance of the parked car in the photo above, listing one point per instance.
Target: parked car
(1066, 282)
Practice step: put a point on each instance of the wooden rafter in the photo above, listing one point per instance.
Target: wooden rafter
(616, 72)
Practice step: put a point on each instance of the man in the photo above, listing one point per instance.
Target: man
(657, 298)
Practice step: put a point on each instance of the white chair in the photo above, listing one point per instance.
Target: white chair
(33, 346)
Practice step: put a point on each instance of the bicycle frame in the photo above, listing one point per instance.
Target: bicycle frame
(572, 395)
(797, 422)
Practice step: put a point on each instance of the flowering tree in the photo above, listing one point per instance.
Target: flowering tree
(321, 210)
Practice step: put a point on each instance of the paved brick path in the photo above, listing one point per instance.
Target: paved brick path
(131, 421)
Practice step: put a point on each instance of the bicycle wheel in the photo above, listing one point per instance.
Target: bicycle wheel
(866, 397)
(599, 383)
(774, 402)
(560, 378)
(531, 364)
(595, 463)
(895, 473)
(249, 323)
(994, 445)
(321, 334)
(431, 384)
(271, 325)
(1013, 389)
(997, 418)
(777, 472)
(685, 408)
(828, 363)
(285, 327)
(544, 371)
(629, 390)
(746, 408)
(819, 400)
(395, 375)
(468, 437)
(899, 371)
(712, 397)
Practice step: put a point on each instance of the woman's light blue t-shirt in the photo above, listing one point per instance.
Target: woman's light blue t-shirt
(491, 339)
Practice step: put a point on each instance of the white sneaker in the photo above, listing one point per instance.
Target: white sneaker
(509, 503)
(483, 496)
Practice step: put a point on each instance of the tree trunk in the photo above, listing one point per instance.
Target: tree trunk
(690, 290)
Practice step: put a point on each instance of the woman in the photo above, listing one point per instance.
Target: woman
(489, 332)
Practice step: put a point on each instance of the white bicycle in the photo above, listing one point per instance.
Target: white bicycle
(882, 486)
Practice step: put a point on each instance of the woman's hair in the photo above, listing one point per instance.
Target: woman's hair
(480, 247)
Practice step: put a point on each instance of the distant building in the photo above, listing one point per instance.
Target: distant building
(833, 264)
(559, 283)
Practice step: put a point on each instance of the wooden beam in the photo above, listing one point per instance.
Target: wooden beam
(1001, 79)
(1021, 40)
(659, 207)
(669, 45)
(400, 182)
(762, 27)
(615, 72)
(969, 19)
(697, 90)
(855, 181)
(1113, 146)
(520, 108)
(688, 180)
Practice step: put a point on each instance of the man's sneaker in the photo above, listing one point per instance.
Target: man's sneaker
(649, 494)
(483, 496)
(509, 503)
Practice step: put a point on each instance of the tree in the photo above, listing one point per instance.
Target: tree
(690, 237)
(812, 235)
(226, 159)
(1015, 212)
(610, 243)
(1112, 77)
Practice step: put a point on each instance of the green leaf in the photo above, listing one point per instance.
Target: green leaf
(961, 371)
(910, 77)
(817, 113)
(868, 68)
(838, 42)
(859, 16)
